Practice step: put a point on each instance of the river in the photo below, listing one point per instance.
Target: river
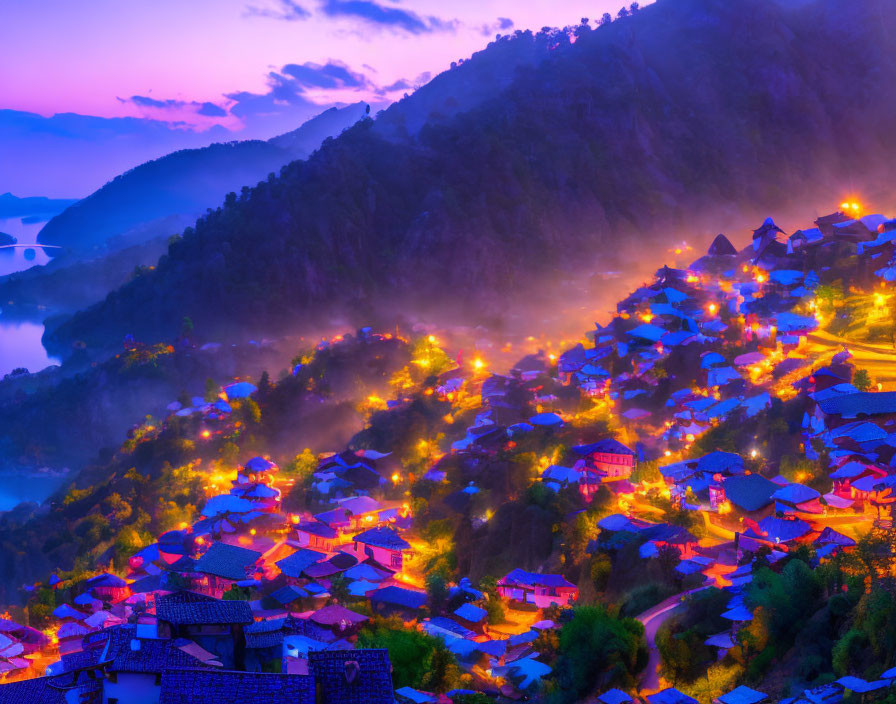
(20, 341)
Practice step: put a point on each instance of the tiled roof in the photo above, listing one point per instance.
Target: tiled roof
(229, 687)
(862, 403)
(150, 655)
(382, 537)
(228, 561)
(288, 594)
(352, 676)
(399, 597)
(609, 446)
(294, 565)
(750, 492)
(335, 614)
(180, 610)
(471, 612)
(33, 691)
(317, 528)
(522, 577)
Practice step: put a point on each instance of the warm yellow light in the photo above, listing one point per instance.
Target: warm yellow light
(252, 531)
(760, 278)
(369, 519)
(295, 519)
(691, 278)
(478, 363)
(844, 205)
(552, 357)
(754, 453)
(431, 339)
(206, 433)
(712, 308)
(396, 477)
(668, 453)
(678, 250)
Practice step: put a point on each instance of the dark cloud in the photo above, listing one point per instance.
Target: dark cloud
(287, 10)
(405, 84)
(400, 84)
(388, 17)
(333, 74)
(286, 103)
(205, 109)
(502, 24)
(211, 110)
(146, 102)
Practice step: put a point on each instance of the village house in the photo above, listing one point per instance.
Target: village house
(609, 458)
(541, 590)
(224, 565)
(382, 544)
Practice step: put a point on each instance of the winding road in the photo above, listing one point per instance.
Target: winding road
(652, 619)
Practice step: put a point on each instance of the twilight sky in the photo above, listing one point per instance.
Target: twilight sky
(189, 72)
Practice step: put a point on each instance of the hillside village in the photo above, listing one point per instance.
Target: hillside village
(627, 519)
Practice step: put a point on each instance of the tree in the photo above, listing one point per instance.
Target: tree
(606, 18)
(861, 380)
(418, 660)
(597, 648)
(634, 7)
(623, 12)
(437, 589)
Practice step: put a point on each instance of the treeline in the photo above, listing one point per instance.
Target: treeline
(682, 108)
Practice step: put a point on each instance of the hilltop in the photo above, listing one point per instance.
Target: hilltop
(164, 195)
(635, 129)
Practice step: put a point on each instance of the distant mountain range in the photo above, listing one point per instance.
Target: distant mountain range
(163, 196)
(602, 142)
(36, 207)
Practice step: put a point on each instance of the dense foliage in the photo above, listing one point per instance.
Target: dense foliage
(635, 124)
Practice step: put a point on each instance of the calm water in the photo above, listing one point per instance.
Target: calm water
(12, 260)
(20, 344)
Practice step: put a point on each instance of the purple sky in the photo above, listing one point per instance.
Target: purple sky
(254, 67)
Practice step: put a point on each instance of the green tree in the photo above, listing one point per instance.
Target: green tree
(418, 660)
(597, 648)
(861, 380)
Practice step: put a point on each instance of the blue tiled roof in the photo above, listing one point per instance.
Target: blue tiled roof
(382, 537)
(288, 594)
(721, 462)
(522, 577)
(294, 565)
(861, 403)
(471, 612)
(189, 608)
(352, 676)
(749, 492)
(221, 687)
(398, 596)
(228, 561)
(33, 691)
(743, 695)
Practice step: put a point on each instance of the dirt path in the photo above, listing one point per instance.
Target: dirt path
(652, 619)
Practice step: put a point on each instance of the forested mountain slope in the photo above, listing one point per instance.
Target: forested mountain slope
(687, 107)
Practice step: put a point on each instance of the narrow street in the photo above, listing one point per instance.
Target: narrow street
(652, 619)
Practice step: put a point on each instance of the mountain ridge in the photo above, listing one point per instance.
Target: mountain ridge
(622, 130)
